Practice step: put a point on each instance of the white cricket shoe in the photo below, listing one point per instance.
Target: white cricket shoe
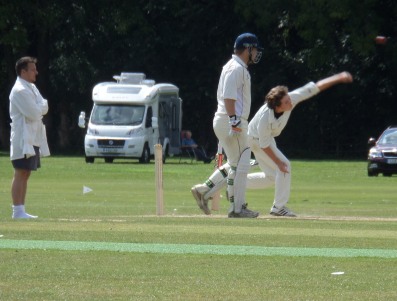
(23, 215)
(283, 211)
(198, 192)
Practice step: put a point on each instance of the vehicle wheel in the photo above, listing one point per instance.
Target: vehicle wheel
(166, 154)
(89, 159)
(386, 174)
(145, 158)
(372, 173)
(109, 160)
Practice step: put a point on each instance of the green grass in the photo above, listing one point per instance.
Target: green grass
(338, 207)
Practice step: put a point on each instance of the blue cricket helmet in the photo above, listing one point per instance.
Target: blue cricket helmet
(247, 40)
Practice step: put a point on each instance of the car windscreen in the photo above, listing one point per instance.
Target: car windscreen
(389, 137)
(109, 114)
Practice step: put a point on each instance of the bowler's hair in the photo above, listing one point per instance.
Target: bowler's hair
(273, 98)
(22, 64)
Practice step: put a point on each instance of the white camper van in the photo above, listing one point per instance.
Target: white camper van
(130, 116)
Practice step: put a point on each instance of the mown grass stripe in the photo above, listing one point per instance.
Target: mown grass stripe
(194, 249)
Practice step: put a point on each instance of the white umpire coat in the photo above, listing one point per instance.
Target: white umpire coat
(27, 108)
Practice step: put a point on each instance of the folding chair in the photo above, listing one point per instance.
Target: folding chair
(186, 151)
(196, 153)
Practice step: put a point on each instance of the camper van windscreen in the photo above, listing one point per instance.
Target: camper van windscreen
(123, 90)
(117, 114)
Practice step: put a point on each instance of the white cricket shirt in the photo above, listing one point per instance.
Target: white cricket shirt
(235, 83)
(265, 126)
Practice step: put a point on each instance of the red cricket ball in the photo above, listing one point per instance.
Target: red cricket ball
(381, 40)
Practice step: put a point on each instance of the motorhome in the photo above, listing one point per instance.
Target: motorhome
(131, 115)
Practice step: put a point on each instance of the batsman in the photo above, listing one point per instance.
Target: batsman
(268, 123)
(230, 125)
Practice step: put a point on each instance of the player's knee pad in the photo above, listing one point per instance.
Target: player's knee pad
(260, 180)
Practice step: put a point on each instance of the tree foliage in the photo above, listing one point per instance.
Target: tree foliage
(80, 43)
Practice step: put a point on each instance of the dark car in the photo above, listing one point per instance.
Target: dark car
(382, 156)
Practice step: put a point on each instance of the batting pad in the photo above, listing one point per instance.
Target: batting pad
(217, 180)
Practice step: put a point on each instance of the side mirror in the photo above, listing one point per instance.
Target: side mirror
(371, 141)
(82, 120)
(155, 123)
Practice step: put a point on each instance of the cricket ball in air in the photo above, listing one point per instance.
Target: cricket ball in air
(380, 40)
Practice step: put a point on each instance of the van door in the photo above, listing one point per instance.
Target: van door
(175, 136)
(170, 118)
(149, 129)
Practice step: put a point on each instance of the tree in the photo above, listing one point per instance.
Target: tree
(80, 43)
(312, 39)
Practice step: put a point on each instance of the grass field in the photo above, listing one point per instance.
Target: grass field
(110, 245)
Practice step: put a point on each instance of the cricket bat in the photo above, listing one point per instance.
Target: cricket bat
(216, 198)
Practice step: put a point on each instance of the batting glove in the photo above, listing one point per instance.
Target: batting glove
(234, 123)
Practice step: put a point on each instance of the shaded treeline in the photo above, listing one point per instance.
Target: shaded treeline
(80, 43)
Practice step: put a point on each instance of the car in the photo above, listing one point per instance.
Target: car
(382, 156)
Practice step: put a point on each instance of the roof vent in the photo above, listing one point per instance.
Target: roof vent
(130, 78)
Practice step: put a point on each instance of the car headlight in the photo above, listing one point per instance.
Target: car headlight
(136, 132)
(374, 153)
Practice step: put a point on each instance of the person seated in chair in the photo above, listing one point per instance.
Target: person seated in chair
(189, 143)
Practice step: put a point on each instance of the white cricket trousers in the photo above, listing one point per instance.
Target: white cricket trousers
(271, 174)
(232, 145)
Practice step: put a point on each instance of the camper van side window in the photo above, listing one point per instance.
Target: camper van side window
(149, 115)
